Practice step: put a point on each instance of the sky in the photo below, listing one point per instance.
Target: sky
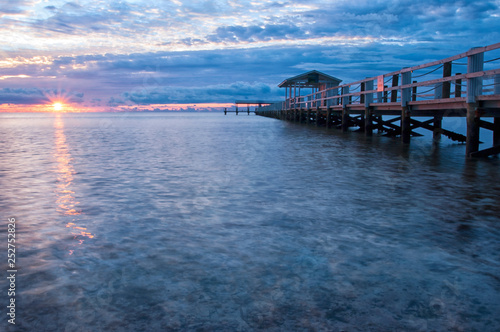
(161, 54)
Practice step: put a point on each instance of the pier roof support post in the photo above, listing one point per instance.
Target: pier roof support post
(405, 108)
(475, 63)
(345, 112)
(368, 113)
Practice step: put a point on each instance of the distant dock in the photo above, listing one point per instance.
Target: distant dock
(362, 104)
(248, 103)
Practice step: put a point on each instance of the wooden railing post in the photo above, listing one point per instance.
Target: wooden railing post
(475, 63)
(445, 93)
(414, 92)
(458, 87)
(394, 93)
(405, 108)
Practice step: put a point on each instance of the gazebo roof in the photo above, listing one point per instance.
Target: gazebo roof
(311, 79)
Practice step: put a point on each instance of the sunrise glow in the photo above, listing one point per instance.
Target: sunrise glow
(57, 107)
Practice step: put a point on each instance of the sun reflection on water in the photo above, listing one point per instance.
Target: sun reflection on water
(66, 202)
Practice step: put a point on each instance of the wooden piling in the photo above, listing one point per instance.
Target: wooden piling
(345, 113)
(458, 87)
(446, 85)
(438, 126)
(368, 99)
(345, 119)
(394, 93)
(475, 63)
(472, 143)
(405, 112)
(496, 131)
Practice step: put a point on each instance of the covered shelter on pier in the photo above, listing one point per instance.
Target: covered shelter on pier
(314, 80)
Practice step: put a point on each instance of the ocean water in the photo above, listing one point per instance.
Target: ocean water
(206, 222)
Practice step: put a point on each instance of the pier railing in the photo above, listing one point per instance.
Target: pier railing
(402, 87)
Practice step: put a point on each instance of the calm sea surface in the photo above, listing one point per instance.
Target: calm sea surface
(206, 222)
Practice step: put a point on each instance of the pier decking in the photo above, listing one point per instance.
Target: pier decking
(473, 95)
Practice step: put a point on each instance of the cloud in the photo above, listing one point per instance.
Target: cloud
(210, 94)
(35, 96)
(255, 33)
(176, 51)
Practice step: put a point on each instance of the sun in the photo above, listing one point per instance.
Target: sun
(57, 106)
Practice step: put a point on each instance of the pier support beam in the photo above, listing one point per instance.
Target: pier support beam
(496, 131)
(368, 122)
(405, 112)
(345, 113)
(475, 63)
(438, 126)
(328, 118)
(345, 120)
(405, 125)
(473, 118)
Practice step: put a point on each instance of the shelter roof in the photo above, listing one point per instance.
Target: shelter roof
(310, 79)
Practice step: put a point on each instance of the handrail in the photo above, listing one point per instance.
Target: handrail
(324, 98)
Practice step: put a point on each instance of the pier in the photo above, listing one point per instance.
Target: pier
(247, 103)
(433, 90)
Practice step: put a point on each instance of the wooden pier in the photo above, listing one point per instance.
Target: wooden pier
(400, 97)
(248, 103)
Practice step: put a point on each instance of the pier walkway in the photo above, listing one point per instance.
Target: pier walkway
(434, 90)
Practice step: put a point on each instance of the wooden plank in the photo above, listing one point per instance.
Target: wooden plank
(496, 131)
(487, 125)
(486, 152)
(450, 134)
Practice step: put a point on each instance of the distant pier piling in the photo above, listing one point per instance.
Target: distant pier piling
(366, 104)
